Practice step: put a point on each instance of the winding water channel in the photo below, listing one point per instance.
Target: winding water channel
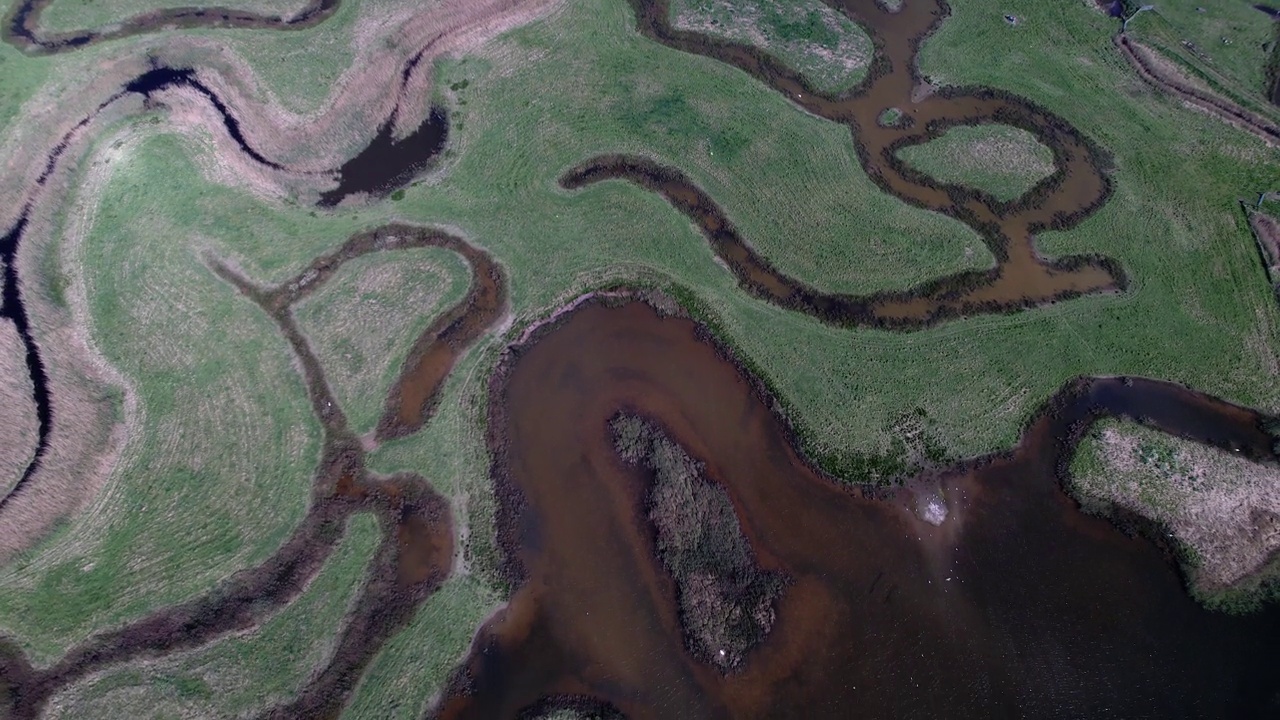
(1017, 605)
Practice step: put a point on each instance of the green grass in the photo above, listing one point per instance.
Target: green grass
(299, 68)
(539, 101)
(1227, 45)
(828, 48)
(217, 470)
(415, 664)
(238, 674)
(362, 323)
(1005, 161)
(67, 15)
(20, 78)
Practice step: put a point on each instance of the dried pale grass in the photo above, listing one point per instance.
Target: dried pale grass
(385, 38)
(18, 423)
(1223, 506)
(87, 436)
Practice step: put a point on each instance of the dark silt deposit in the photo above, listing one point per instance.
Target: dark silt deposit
(1017, 605)
(387, 164)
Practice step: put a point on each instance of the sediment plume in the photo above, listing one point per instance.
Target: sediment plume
(996, 604)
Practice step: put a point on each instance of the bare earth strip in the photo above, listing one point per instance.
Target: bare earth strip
(1226, 508)
(1164, 76)
(17, 409)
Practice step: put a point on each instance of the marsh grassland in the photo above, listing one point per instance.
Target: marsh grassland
(823, 44)
(17, 411)
(999, 159)
(1228, 47)
(363, 322)
(237, 675)
(217, 465)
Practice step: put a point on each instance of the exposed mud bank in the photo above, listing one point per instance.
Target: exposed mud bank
(1016, 603)
(415, 557)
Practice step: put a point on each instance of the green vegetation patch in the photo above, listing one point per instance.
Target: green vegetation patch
(828, 48)
(300, 68)
(219, 457)
(1002, 160)
(362, 323)
(726, 600)
(1227, 45)
(414, 665)
(20, 78)
(1199, 309)
(243, 673)
(542, 99)
(68, 15)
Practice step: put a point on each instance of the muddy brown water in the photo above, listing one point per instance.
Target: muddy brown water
(1018, 605)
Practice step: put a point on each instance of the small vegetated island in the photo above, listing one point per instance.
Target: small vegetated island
(639, 358)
